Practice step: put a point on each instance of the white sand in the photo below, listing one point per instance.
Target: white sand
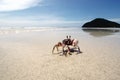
(27, 56)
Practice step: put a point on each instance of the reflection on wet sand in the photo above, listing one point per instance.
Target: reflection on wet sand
(101, 32)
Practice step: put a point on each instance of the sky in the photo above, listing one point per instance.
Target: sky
(40, 13)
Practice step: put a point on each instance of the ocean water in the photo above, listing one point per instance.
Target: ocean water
(93, 32)
(9, 30)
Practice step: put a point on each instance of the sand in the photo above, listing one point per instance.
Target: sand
(27, 56)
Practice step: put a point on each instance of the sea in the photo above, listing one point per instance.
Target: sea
(93, 32)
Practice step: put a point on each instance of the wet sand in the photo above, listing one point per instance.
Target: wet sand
(27, 56)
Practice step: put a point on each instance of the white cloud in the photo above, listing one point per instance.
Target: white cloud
(36, 20)
(39, 23)
(11, 5)
(115, 19)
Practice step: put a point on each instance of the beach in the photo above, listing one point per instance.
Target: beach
(27, 55)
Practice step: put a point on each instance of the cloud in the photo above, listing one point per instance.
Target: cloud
(39, 23)
(12, 5)
(36, 20)
(115, 19)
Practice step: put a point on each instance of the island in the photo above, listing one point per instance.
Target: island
(101, 23)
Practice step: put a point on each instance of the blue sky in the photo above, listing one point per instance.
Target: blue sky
(56, 12)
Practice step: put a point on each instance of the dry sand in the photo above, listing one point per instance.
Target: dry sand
(27, 56)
